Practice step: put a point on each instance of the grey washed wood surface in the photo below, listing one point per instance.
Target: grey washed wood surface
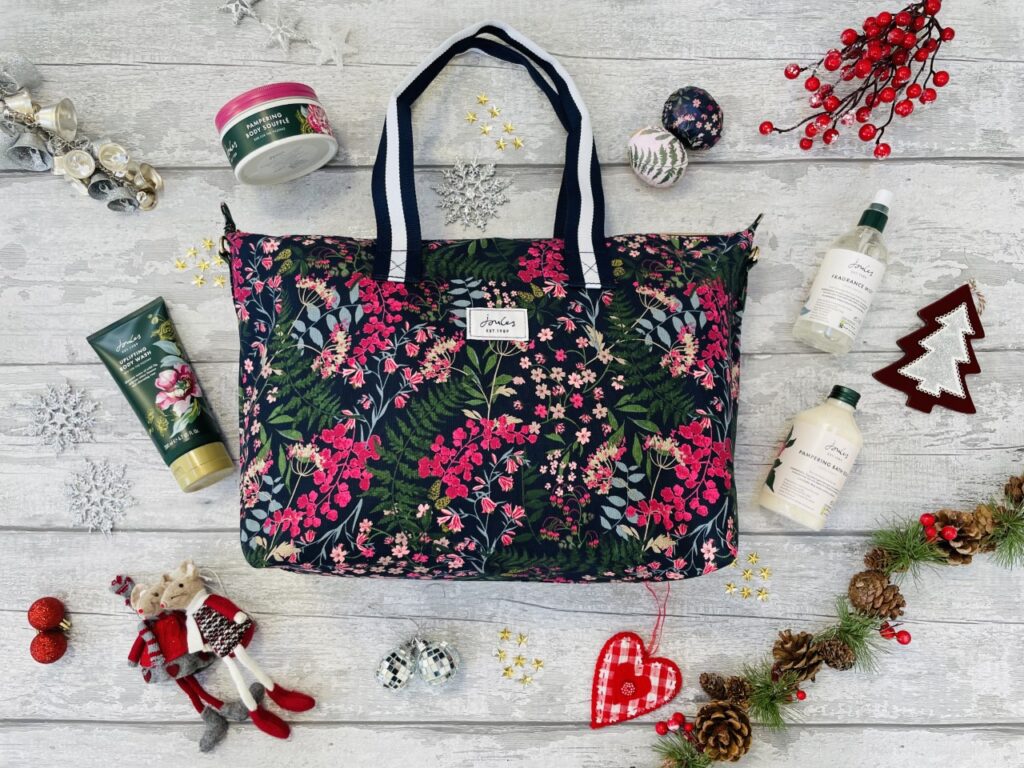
(153, 74)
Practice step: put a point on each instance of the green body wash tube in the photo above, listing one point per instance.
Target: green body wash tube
(144, 355)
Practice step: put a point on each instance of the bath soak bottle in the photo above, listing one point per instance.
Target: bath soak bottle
(815, 460)
(846, 282)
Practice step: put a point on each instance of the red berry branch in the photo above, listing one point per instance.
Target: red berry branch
(879, 63)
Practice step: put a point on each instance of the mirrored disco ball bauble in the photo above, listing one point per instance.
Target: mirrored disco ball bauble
(396, 669)
(437, 662)
(693, 116)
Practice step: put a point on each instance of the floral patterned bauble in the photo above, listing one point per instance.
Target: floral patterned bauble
(656, 156)
(693, 116)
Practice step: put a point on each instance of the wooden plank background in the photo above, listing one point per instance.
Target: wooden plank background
(152, 76)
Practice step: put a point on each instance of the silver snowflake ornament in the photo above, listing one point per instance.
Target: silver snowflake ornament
(99, 496)
(63, 417)
(470, 193)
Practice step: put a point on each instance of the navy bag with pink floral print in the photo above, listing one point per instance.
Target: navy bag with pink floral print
(557, 409)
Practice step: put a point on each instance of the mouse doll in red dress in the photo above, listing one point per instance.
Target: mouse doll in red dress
(216, 625)
(160, 651)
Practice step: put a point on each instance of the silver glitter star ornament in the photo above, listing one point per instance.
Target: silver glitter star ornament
(240, 9)
(283, 32)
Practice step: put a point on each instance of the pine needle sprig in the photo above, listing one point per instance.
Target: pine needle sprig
(907, 548)
(858, 632)
(1008, 536)
(676, 751)
(770, 696)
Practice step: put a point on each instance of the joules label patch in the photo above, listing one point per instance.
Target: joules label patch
(502, 324)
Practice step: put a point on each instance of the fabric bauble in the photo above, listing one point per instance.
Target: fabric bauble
(693, 116)
(656, 156)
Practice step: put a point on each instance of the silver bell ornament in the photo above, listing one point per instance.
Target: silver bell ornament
(113, 157)
(78, 164)
(122, 200)
(29, 153)
(60, 119)
(397, 668)
(20, 102)
(437, 663)
(100, 186)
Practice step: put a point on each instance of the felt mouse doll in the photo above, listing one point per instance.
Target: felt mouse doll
(160, 651)
(216, 625)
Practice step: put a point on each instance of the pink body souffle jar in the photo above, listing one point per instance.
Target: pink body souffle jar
(275, 133)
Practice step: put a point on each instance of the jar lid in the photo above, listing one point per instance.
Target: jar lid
(202, 466)
(845, 395)
(259, 95)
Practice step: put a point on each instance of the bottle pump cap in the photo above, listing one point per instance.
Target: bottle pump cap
(877, 213)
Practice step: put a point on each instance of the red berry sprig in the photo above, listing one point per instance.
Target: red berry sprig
(677, 722)
(889, 632)
(880, 63)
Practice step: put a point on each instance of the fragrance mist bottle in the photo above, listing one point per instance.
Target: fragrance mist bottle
(815, 460)
(847, 279)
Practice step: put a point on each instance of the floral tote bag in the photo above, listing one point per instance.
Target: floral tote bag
(550, 409)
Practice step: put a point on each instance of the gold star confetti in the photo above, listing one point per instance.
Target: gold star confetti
(765, 573)
(538, 664)
(203, 265)
(180, 264)
(525, 679)
(495, 111)
(508, 672)
(519, 661)
(208, 244)
(198, 281)
(762, 594)
(485, 130)
(517, 142)
(220, 281)
(734, 564)
(730, 588)
(745, 592)
(505, 634)
(509, 128)
(521, 639)
(482, 98)
(500, 145)
(218, 261)
(471, 117)
(753, 557)
(502, 654)
(748, 574)
(192, 252)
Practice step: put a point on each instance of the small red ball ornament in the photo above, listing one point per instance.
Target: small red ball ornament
(48, 646)
(801, 694)
(887, 632)
(687, 727)
(833, 61)
(926, 519)
(792, 71)
(832, 103)
(862, 68)
(931, 7)
(903, 637)
(928, 96)
(48, 613)
(830, 135)
(903, 18)
(867, 132)
(661, 728)
(863, 114)
(887, 94)
(884, 18)
(882, 150)
(921, 54)
(948, 532)
(904, 108)
(766, 127)
(940, 78)
(948, 34)
(812, 83)
(895, 36)
(918, 23)
(931, 533)
(806, 144)
(914, 90)
(811, 130)
(677, 719)
(823, 121)
(903, 74)
(872, 29)
(848, 36)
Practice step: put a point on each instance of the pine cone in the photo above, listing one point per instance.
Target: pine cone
(713, 684)
(797, 653)
(871, 594)
(722, 729)
(878, 559)
(1015, 489)
(974, 533)
(837, 654)
(738, 690)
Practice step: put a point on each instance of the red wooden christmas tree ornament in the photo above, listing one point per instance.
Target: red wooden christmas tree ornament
(938, 356)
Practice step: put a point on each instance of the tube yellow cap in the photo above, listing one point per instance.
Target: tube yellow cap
(202, 466)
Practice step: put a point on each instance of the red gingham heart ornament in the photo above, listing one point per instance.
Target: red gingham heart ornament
(628, 683)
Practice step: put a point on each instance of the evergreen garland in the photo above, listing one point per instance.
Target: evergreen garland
(901, 548)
